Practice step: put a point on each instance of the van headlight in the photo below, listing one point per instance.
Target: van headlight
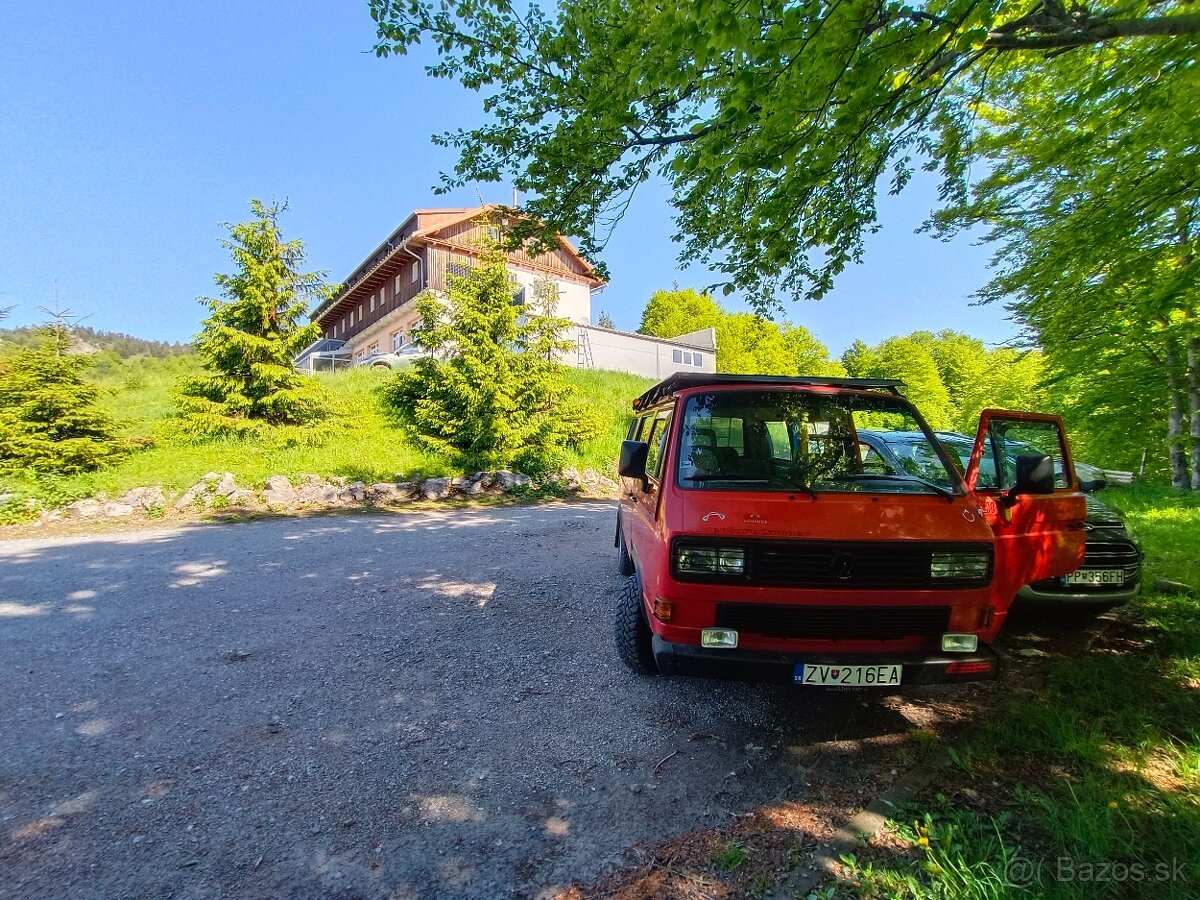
(960, 565)
(710, 560)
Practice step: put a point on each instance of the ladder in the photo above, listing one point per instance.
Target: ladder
(584, 347)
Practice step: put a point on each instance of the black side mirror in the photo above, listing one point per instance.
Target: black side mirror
(633, 460)
(1035, 475)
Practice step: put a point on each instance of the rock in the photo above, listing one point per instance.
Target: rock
(192, 494)
(84, 509)
(279, 492)
(211, 477)
(435, 488)
(358, 491)
(243, 497)
(472, 488)
(507, 480)
(316, 492)
(145, 498)
(117, 510)
(389, 492)
(50, 515)
(1030, 653)
(227, 486)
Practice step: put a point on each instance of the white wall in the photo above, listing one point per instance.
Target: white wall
(574, 300)
(642, 355)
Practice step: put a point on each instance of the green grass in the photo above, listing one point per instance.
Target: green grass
(361, 445)
(731, 856)
(1099, 769)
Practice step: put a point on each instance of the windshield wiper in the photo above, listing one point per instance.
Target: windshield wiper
(866, 476)
(795, 483)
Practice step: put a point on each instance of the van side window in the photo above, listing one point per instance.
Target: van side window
(657, 440)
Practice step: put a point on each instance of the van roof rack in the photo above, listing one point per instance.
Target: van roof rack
(673, 384)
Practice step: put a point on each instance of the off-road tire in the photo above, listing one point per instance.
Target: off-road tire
(632, 632)
(624, 560)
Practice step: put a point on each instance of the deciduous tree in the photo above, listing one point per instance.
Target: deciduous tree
(746, 343)
(1095, 214)
(775, 121)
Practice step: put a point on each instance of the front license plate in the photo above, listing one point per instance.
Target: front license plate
(1095, 577)
(846, 676)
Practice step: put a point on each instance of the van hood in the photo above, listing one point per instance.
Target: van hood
(835, 517)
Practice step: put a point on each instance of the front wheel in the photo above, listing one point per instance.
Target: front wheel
(624, 560)
(632, 631)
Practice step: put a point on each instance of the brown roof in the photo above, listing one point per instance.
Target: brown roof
(425, 224)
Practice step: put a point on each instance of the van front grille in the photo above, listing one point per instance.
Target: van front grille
(869, 623)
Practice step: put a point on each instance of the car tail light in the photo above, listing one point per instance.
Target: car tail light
(663, 609)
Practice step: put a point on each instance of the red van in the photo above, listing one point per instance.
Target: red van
(761, 540)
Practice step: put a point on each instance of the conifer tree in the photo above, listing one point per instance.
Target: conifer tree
(49, 418)
(545, 394)
(491, 390)
(252, 335)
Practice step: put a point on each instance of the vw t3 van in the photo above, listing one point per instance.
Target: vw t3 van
(760, 540)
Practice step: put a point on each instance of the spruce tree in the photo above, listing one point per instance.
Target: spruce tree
(252, 335)
(491, 391)
(49, 418)
(545, 395)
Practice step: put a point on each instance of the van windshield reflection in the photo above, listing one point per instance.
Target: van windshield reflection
(779, 440)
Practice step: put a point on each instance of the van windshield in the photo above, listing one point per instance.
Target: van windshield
(781, 440)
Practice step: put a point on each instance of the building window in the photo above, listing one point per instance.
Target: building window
(374, 348)
(396, 287)
(518, 295)
(362, 354)
(416, 270)
(687, 358)
(397, 340)
(360, 312)
(458, 268)
(372, 303)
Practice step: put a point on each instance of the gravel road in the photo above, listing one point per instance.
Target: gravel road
(408, 705)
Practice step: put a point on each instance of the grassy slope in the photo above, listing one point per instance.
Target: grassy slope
(1100, 766)
(364, 445)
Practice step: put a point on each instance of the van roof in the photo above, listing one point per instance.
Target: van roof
(680, 381)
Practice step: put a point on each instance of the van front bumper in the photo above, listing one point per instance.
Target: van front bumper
(755, 665)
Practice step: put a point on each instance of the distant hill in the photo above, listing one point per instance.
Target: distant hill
(90, 340)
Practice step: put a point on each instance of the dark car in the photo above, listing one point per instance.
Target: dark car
(1111, 570)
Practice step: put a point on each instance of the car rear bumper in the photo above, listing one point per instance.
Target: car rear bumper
(753, 665)
(1033, 595)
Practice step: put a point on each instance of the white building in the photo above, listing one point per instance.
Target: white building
(375, 312)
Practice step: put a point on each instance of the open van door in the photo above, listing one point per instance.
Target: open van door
(1021, 474)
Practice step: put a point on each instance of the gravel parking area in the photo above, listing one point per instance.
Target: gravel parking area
(408, 705)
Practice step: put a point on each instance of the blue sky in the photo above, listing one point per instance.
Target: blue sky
(129, 131)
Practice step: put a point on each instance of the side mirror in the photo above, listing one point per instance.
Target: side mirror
(1035, 475)
(633, 460)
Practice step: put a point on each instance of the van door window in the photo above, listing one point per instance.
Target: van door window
(658, 441)
(1012, 438)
